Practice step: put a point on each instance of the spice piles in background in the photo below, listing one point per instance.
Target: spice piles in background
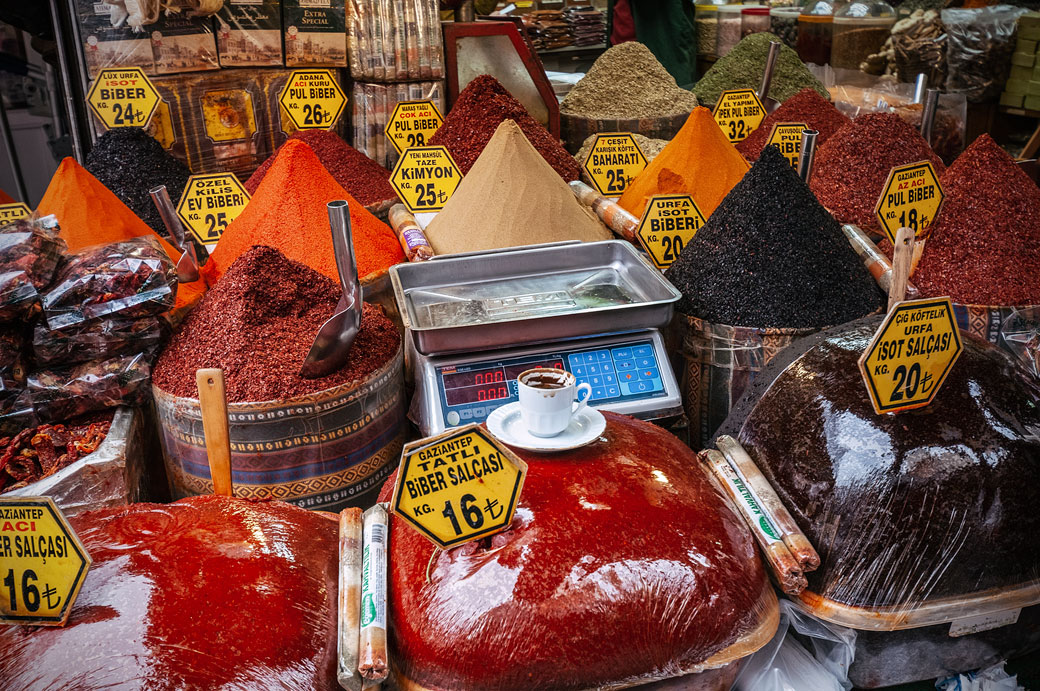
(130, 163)
(806, 106)
(627, 81)
(699, 161)
(742, 68)
(89, 214)
(649, 147)
(984, 247)
(852, 166)
(366, 180)
(510, 198)
(257, 323)
(771, 256)
(288, 212)
(480, 108)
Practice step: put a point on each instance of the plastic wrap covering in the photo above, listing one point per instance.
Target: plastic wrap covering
(30, 252)
(394, 40)
(373, 104)
(327, 450)
(64, 393)
(979, 46)
(623, 565)
(109, 37)
(12, 358)
(97, 339)
(113, 475)
(134, 278)
(919, 519)
(16, 412)
(205, 593)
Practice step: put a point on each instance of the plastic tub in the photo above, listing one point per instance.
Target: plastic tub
(729, 28)
(753, 20)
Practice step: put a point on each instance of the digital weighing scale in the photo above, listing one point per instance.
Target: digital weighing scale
(476, 321)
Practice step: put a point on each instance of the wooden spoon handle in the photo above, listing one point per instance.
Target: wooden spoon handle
(213, 401)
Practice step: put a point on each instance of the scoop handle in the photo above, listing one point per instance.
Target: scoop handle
(343, 246)
(213, 401)
(767, 74)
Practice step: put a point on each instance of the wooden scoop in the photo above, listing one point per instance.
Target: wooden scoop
(213, 401)
(188, 264)
(770, 104)
(331, 346)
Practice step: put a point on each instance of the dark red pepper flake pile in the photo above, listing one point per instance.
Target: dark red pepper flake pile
(258, 323)
(805, 106)
(984, 248)
(481, 107)
(852, 166)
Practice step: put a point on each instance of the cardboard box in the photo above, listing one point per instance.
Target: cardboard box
(249, 33)
(1023, 59)
(181, 43)
(1017, 86)
(315, 33)
(105, 45)
(1012, 100)
(1024, 45)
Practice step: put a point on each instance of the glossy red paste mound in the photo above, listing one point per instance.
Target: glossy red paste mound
(622, 563)
(203, 593)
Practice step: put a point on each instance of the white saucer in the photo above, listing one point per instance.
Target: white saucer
(506, 424)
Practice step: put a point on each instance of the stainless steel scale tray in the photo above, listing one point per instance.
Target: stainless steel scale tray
(529, 295)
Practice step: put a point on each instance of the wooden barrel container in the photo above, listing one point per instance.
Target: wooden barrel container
(575, 129)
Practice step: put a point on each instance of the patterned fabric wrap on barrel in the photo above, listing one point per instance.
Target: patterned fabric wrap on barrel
(720, 361)
(321, 451)
(985, 321)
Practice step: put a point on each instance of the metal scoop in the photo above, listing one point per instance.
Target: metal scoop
(331, 346)
(770, 104)
(188, 264)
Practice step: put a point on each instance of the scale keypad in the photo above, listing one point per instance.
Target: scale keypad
(617, 372)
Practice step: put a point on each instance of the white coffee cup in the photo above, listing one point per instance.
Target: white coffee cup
(547, 399)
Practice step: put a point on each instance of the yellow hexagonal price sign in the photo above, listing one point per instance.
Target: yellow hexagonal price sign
(911, 198)
(312, 99)
(458, 486)
(738, 113)
(668, 224)
(412, 124)
(911, 354)
(123, 97)
(210, 203)
(42, 563)
(787, 136)
(425, 178)
(13, 212)
(614, 160)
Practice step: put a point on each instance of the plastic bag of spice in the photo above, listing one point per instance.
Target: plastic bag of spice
(978, 52)
(16, 412)
(97, 339)
(30, 252)
(134, 278)
(63, 393)
(12, 358)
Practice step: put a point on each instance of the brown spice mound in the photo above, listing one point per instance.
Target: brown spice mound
(257, 324)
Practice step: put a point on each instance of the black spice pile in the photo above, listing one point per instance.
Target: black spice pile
(772, 257)
(130, 163)
(257, 323)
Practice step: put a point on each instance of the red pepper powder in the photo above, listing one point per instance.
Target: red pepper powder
(852, 166)
(366, 180)
(258, 323)
(481, 107)
(984, 247)
(805, 106)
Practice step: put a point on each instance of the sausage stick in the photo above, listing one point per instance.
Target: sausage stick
(783, 565)
(373, 664)
(349, 599)
(793, 537)
(412, 238)
(609, 211)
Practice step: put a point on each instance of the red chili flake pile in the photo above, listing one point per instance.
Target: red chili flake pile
(481, 107)
(852, 166)
(257, 323)
(366, 180)
(984, 247)
(805, 106)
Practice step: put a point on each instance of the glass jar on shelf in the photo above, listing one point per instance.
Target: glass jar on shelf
(815, 26)
(706, 22)
(729, 28)
(783, 23)
(754, 19)
(860, 29)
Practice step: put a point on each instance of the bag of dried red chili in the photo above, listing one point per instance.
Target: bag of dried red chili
(30, 251)
(133, 278)
(60, 394)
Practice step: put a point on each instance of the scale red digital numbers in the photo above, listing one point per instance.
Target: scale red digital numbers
(489, 384)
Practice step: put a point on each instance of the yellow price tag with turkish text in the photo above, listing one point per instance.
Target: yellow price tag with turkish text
(614, 160)
(425, 178)
(668, 224)
(738, 113)
(412, 124)
(911, 198)
(210, 203)
(787, 136)
(312, 99)
(123, 97)
(13, 212)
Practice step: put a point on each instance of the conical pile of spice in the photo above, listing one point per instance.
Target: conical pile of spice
(805, 106)
(699, 161)
(288, 212)
(772, 257)
(257, 324)
(627, 81)
(130, 163)
(89, 214)
(852, 166)
(480, 108)
(742, 68)
(366, 180)
(510, 197)
(984, 247)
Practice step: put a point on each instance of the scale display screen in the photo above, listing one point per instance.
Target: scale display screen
(487, 384)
